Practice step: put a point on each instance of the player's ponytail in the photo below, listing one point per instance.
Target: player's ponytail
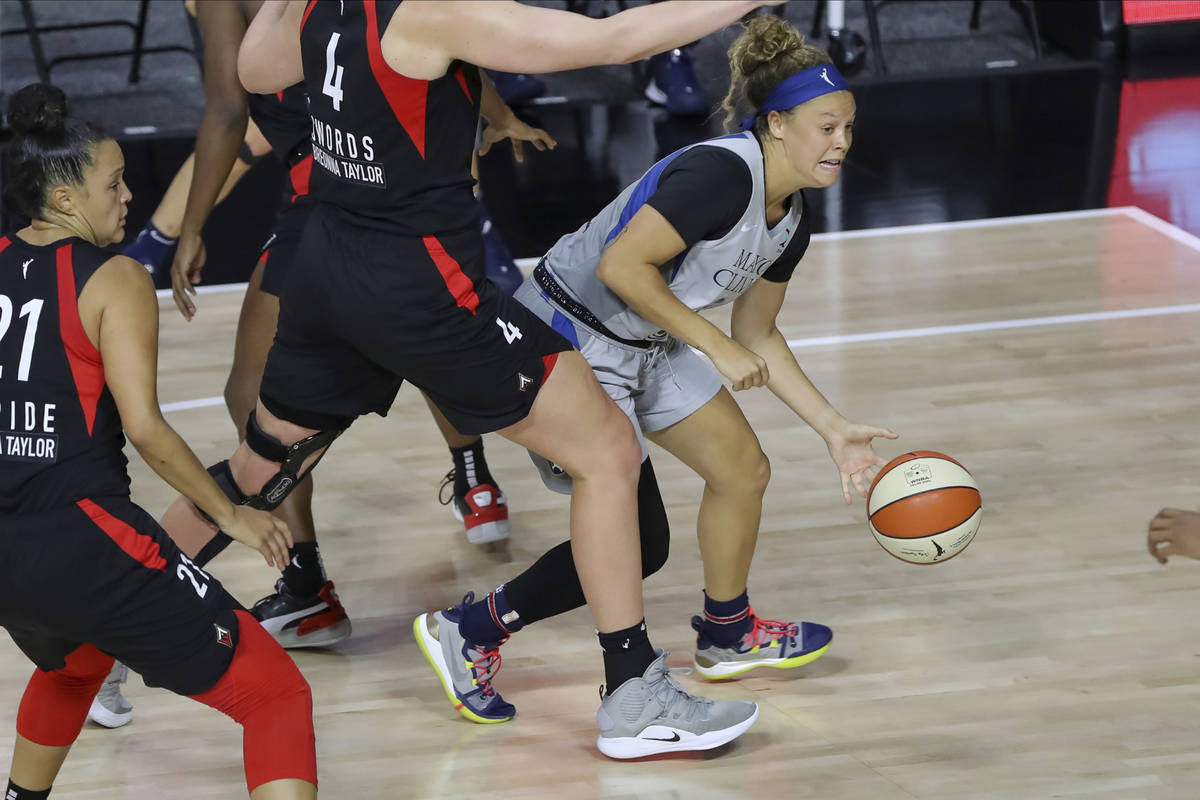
(49, 148)
(768, 51)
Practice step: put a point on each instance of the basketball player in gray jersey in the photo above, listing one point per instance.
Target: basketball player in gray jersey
(718, 222)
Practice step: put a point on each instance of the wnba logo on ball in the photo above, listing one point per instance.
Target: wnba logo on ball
(918, 474)
(918, 496)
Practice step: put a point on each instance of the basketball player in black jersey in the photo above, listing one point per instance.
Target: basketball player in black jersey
(388, 286)
(85, 575)
(304, 610)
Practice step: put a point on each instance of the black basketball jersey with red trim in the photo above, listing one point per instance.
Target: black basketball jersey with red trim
(60, 434)
(389, 152)
(284, 121)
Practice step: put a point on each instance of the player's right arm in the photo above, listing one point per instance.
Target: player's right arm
(423, 38)
(119, 311)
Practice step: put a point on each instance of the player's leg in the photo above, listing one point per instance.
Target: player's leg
(718, 443)
(475, 496)
(53, 708)
(575, 422)
(304, 610)
(608, 582)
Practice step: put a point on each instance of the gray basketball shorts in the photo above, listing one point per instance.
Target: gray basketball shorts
(655, 386)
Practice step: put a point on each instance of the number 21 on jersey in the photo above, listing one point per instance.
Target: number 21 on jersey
(33, 311)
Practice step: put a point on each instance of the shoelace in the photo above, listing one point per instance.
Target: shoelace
(489, 661)
(669, 693)
(766, 631)
(446, 481)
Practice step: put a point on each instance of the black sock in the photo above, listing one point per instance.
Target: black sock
(17, 793)
(627, 653)
(305, 574)
(470, 467)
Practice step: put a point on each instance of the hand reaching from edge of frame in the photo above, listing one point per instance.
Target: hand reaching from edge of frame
(1174, 532)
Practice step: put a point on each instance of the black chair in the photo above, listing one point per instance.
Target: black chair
(139, 49)
(1024, 8)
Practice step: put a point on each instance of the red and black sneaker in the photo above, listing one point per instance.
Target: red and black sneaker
(293, 621)
(483, 510)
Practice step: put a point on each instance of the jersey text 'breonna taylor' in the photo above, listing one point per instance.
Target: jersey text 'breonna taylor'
(707, 274)
(389, 152)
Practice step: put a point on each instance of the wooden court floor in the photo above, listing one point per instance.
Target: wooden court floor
(1057, 357)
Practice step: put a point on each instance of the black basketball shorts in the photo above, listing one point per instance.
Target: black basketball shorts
(364, 310)
(279, 251)
(102, 572)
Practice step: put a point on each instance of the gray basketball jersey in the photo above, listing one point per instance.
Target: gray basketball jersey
(705, 275)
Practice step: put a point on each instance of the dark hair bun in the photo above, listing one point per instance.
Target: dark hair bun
(38, 109)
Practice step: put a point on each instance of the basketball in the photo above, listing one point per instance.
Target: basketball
(924, 507)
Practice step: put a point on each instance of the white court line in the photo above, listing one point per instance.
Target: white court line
(1162, 226)
(219, 288)
(184, 405)
(902, 333)
(995, 325)
(1132, 212)
(932, 227)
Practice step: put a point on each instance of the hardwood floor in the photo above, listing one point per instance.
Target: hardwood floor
(1055, 357)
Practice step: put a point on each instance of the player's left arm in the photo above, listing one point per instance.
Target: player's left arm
(753, 325)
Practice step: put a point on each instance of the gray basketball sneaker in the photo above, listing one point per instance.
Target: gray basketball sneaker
(653, 714)
(109, 707)
(464, 668)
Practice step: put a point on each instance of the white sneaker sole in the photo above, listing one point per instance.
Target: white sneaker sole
(731, 669)
(322, 637)
(109, 719)
(485, 531)
(636, 747)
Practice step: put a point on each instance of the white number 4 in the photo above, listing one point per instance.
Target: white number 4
(333, 74)
(511, 332)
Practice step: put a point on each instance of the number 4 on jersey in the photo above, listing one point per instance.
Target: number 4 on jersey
(333, 74)
(511, 332)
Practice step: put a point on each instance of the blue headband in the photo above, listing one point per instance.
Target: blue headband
(800, 88)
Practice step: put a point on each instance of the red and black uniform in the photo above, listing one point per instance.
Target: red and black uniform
(79, 562)
(284, 122)
(389, 281)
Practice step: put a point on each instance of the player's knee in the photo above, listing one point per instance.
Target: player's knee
(620, 453)
(743, 470)
(265, 693)
(55, 704)
(652, 522)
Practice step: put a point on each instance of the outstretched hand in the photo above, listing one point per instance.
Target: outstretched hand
(1174, 532)
(856, 459)
(519, 132)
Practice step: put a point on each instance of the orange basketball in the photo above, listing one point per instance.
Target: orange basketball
(924, 507)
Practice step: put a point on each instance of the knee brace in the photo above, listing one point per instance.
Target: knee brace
(652, 522)
(55, 704)
(265, 693)
(289, 457)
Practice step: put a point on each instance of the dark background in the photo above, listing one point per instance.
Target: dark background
(962, 125)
